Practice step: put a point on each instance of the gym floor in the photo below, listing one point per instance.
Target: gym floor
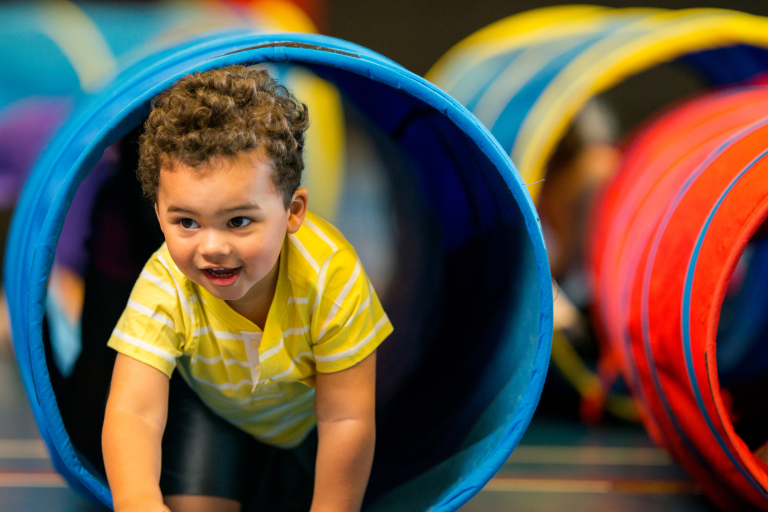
(559, 465)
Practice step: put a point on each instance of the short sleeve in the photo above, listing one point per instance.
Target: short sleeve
(151, 328)
(348, 323)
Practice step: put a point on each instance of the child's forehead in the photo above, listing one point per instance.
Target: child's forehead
(243, 173)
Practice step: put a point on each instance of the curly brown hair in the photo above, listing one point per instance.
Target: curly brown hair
(220, 113)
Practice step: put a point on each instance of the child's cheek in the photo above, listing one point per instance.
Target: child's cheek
(183, 257)
(261, 256)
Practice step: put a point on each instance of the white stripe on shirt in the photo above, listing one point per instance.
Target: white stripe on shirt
(298, 300)
(351, 350)
(248, 400)
(340, 299)
(154, 315)
(276, 410)
(183, 298)
(158, 282)
(304, 354)
(363, 306)
(214, 360)
(226, 385)
(274, 350)
(285, 425)
(287, 372)
(319, 232)
(144, 346)
(321, 283)
(225, 335)
(201, 331)
(304, 252)
(295, 331)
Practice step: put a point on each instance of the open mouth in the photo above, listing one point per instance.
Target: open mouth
(222, 276)
(222, 272)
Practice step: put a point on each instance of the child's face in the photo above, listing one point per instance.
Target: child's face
(225, 221)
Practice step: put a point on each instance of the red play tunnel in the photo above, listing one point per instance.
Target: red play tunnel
(671, 235)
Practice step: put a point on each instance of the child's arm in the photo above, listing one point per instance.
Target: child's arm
(134, 422)
(345, 406)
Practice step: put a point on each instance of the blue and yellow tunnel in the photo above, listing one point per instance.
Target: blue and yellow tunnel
(527, 76)
(470, 294)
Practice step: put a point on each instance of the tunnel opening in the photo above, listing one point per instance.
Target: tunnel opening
(459, 378)
(742, 354)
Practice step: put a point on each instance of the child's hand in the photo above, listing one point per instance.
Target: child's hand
(134, 422)
(144, 506)
(345, 404)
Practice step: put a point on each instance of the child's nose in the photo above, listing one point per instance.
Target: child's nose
(214, 243)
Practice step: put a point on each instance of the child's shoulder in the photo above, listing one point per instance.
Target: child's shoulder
(321, 238)
(161, 271)
(161, 289)
(319, 247)
(161, 264)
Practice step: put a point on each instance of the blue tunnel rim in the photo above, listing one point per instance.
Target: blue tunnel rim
(34, 245)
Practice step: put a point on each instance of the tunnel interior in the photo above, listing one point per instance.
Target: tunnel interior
(742, 354)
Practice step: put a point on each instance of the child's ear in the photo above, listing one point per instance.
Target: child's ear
(297, 210)
(157, 213)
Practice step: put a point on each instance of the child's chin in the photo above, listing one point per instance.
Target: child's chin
(228, 293)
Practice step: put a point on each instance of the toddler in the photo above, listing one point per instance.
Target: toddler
(262, 308)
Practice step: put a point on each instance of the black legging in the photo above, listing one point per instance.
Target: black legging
(205, 455)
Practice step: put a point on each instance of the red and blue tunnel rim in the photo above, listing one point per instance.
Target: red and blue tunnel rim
(685, 326)
(35, 232)
(632, 268)
(647, 274)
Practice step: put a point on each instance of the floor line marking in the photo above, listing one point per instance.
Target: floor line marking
(23, 449)
(31, 479)
(590, 456)
(597, 486)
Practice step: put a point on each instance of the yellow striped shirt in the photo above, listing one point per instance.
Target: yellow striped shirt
(325, 317)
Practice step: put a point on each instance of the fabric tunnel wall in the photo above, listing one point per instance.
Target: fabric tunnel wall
(525, 77)
(453, 398)
(677, 249)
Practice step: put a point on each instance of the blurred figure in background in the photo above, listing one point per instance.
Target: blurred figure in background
(583, 163)
(26, 126)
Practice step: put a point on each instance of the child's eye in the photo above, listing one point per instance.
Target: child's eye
(239, 222)
(188, 224)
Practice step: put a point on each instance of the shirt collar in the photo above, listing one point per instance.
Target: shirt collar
(272, 328)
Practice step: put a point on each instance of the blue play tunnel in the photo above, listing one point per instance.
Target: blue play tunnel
(470, 298)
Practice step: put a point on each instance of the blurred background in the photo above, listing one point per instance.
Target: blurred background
(416, 34)
(586, 448)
